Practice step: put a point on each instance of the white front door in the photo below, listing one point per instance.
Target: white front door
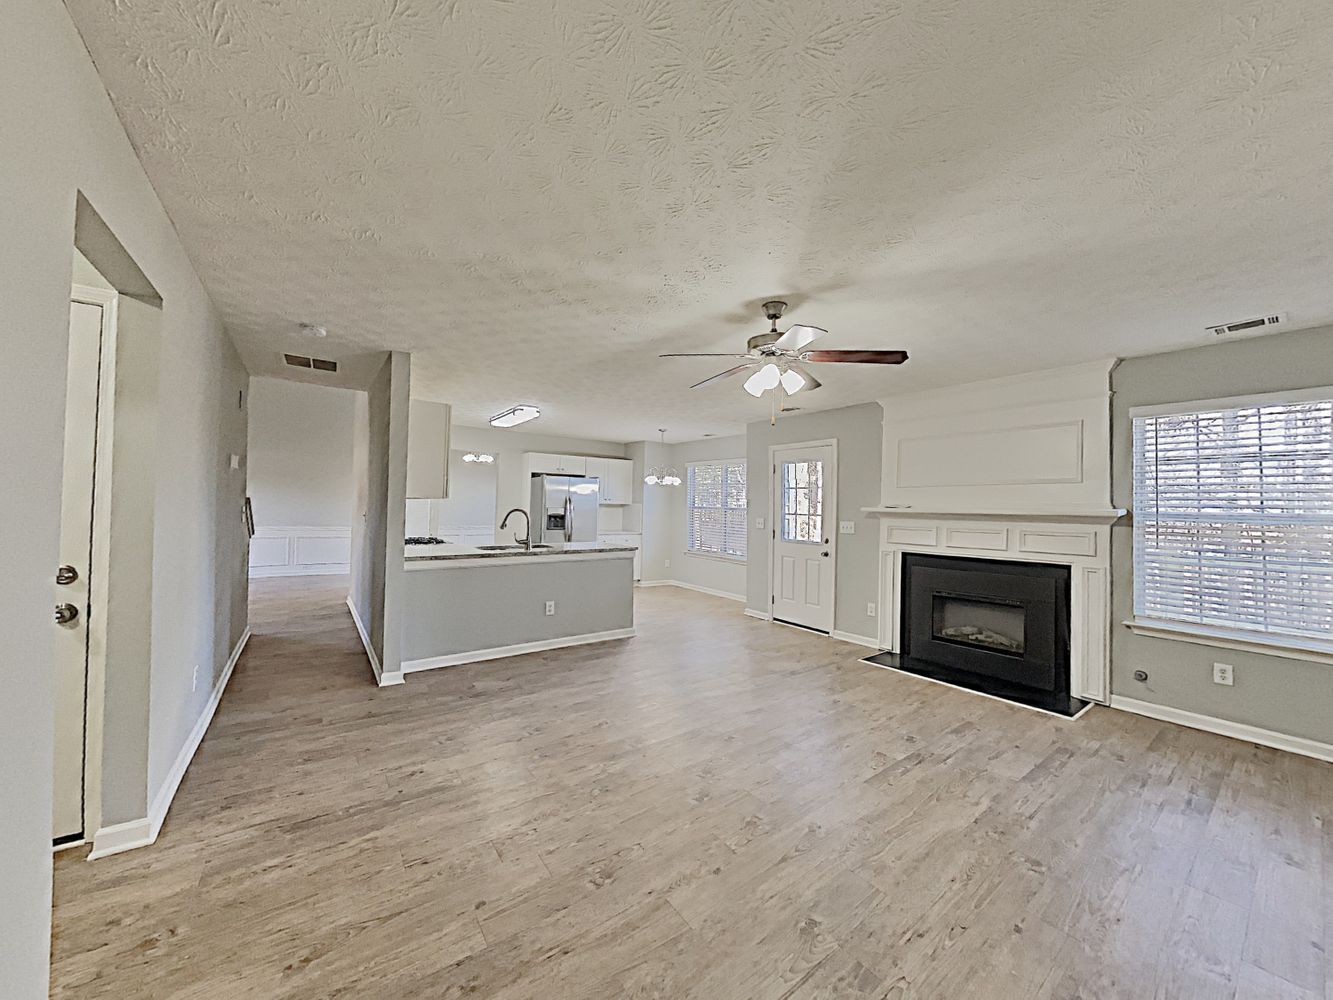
(71, 589)
(805, 508)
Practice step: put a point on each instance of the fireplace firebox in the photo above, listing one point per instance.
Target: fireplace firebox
(1000, 627)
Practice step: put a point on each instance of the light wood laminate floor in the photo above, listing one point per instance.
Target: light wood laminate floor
(720, 809)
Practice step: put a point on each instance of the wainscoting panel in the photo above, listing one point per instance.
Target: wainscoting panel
(300, 551)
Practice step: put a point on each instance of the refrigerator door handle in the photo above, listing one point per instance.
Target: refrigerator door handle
(569, 517)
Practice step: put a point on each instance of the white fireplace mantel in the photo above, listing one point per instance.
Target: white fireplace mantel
(1015, 468)
(1083, 546)
(1079, 515)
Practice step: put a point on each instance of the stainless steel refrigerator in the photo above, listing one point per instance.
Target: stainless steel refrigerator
(564, 508)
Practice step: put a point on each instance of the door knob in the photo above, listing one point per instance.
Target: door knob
(824, 554)
(66, 575)
(66, 613)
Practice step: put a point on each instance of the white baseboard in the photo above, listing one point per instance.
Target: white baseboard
(763, 616)
(860, 640)
(141, 832)
(382, 678)
(1223, 727)
(325, 569)
(692, 586)
(499, 652)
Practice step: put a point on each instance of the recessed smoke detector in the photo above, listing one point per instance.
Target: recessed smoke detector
(1247, 325)
(318, 364)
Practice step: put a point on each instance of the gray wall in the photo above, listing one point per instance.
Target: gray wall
(380, 457)
(859, 431)
(483, 606)
(713, 573)
(61, 136)
(1284, 695)
(300, 470)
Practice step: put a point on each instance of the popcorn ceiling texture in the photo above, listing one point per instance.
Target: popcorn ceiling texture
(537, 197)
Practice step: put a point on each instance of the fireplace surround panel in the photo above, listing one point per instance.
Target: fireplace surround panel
(995, 619)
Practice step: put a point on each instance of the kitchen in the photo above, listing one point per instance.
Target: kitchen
(476, 591)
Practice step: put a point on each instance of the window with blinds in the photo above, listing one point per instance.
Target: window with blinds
(1233, 518)
(715, 507)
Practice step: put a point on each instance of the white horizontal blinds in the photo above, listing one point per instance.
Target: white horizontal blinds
(715, 501)
(1233, 518)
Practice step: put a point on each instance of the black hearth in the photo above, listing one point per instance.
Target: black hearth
(998, 627)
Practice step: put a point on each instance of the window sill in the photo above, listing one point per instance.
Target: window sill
(1289, 647)
(731, 560)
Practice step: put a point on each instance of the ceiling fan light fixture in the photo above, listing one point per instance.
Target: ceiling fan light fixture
(764, 379)
(516, 415)
(792, 381)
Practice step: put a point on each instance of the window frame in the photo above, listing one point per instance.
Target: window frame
(1286, 645)
(743, 510)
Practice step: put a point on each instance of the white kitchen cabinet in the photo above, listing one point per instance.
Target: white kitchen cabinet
(618, 486)
(564, 465)
(616, 479)
(637, 542)
(427, 450)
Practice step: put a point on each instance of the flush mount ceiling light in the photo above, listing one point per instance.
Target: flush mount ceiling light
(661, 475)
(311, 330)
(482, 457)
(516, 415)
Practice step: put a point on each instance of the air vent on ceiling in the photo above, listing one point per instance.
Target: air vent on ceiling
(319, 364)
(1247, 325)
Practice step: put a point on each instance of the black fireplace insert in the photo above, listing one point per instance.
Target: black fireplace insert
(995, 626)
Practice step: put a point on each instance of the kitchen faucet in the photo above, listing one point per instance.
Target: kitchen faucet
(527, 539)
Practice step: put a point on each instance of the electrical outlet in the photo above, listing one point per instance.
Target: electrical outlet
(550, 607)
(1222, 674)
(668, 564)
(758, 524)
(235, 462)
(870, 609)
(846, 527)
(194, 679)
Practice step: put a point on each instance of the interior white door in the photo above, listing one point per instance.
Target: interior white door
(72, 580)
(805, 508)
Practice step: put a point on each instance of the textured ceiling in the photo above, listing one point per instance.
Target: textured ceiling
(535, 198)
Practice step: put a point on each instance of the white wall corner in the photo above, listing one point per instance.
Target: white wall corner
(380, 676)
(127, 836)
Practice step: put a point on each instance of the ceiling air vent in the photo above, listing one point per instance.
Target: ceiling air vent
(1247, 325)
(318, 364)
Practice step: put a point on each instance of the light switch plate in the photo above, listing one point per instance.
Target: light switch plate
(847, 527)
(758, 524)
(235, 461)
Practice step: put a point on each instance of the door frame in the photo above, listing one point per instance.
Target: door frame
(830, 502)
(100, 561)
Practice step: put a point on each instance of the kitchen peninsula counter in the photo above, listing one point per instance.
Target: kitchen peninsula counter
(463, 603)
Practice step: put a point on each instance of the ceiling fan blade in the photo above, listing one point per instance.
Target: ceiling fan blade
(797, 337)
(721, 375)
(705, 355)
(856, 357)
(810, 381)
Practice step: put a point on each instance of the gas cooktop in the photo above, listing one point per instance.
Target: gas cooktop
(425, 540)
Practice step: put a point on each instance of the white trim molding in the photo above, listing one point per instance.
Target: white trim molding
(1084, 547)
(137, 833)
(860, 640)
(382, 679)
(518, 649)
(1289, 647)
(300, 551)
(692, 586)
(1225, 727)
(763, 616)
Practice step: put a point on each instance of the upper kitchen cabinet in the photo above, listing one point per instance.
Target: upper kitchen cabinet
(427, 450)
(616, 477)
(564, 465)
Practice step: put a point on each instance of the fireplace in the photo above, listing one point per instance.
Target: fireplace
(1001, 627)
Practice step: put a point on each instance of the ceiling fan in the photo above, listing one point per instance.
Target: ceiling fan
(777, 360)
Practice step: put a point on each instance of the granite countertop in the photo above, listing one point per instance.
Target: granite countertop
(448, 552)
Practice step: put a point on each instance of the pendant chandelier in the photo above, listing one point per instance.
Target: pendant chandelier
(661, 475)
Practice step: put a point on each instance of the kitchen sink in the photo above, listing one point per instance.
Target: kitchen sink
(516, 548)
